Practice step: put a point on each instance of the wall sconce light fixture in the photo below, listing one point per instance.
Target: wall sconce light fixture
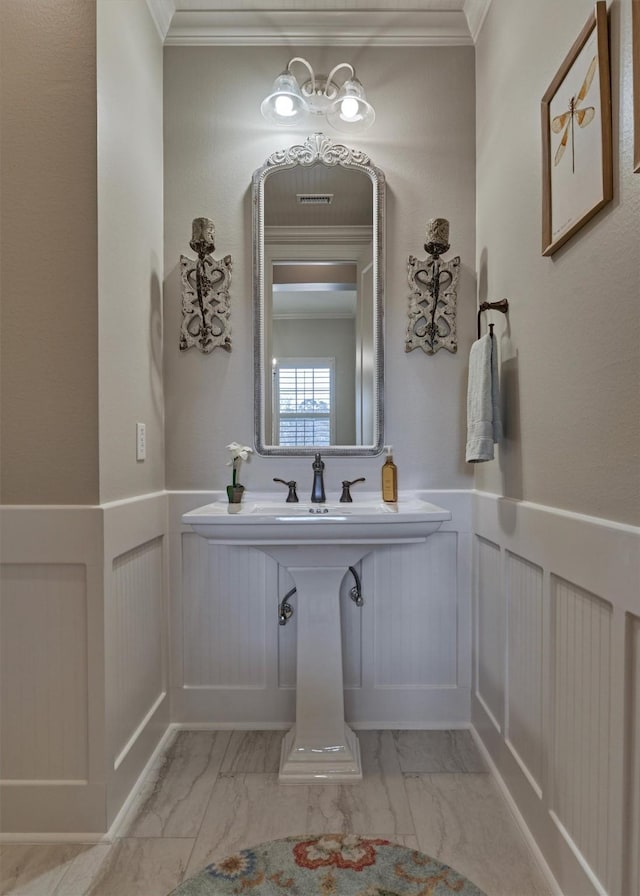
(345, 107)
(205, 293)
(434, 288)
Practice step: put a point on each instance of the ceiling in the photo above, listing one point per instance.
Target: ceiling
(318, 22)
(351, 202)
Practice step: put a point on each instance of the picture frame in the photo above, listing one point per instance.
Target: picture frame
(577, 164)
(635, 51)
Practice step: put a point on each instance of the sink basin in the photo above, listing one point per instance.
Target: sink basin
(264, 521)
(317, 543)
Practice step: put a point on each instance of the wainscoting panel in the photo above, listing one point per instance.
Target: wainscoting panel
(490, 632)
(43, 673)
(416, 613)
(582, 702)
(405, 651)
(83, 675)
(632, 875)
(523, 723)
(51, 674)
(224, 612)
(136, 654)
(558, 595)
(137, 608)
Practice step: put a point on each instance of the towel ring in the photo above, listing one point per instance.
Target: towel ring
(502, 305)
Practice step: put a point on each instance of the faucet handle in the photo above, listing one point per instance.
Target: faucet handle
(292, 497)
(346, 498)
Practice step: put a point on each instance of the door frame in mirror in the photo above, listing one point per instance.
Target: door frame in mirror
(317, 149)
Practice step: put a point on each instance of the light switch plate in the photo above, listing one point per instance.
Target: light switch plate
(141, 441)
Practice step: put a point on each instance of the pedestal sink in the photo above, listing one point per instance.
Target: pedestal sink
(317, 544)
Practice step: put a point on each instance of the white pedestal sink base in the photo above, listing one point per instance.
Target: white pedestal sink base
(321, 748)
(305, 763)
(317, 550)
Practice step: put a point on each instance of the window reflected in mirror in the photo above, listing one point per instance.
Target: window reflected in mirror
(304, 411)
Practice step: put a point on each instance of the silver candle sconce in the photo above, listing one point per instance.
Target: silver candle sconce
(206, 303)
(432, 300)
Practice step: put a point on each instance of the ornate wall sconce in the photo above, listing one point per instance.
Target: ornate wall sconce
(205, 293)
(434, 287)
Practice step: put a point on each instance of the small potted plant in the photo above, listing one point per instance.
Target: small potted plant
(238, 454)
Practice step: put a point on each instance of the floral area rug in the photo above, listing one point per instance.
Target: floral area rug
(329, 865)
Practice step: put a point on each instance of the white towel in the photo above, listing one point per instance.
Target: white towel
(484, 427)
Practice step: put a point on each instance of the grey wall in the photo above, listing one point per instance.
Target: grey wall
(130, 247)
(215, 138)
(48, 235)
(570, 357)
(569, 347)
(81, 236)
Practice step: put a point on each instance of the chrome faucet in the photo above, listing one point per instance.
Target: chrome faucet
(317, 492)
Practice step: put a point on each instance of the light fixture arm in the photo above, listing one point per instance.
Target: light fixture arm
(308, 65)
(319, 82)
(337, 68)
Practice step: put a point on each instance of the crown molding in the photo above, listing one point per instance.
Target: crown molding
(455, 23)
(476, 12)
(370, 27)
(162, 12)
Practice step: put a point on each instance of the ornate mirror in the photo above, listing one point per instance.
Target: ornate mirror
(318, 285)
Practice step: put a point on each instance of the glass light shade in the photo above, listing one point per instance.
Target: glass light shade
(285, 105)
(350, 110)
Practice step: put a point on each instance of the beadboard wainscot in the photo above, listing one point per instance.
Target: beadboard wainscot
(136, 639)
(83, 662)
(406, 652)
(556, 693)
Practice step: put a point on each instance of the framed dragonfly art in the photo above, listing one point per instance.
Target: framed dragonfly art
(577, 166)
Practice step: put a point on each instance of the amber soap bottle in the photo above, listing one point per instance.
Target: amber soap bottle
(389, 478)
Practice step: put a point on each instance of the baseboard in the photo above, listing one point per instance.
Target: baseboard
(284, 726)
(162, 745)
(504, 790)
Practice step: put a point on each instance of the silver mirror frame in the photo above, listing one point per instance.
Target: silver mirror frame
(317, 148)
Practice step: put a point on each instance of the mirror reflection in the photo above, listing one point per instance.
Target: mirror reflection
(318, 302)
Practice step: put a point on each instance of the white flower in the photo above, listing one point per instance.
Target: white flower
(238, 451)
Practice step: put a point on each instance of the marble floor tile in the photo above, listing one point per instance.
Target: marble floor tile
(246, 810)
(378, 753)
(435, 752)
(173, 799)
(408, 840)
(213, 793)
(253, 752)
(377, 803)
(34, 869)
(83, 870)
(140, 867)
(463, 820)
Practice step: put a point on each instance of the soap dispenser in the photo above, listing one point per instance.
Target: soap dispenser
(389, 478)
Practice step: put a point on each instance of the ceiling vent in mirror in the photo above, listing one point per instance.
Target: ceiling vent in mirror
(314, 198)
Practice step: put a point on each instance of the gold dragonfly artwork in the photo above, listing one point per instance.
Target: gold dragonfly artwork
(575, 113)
